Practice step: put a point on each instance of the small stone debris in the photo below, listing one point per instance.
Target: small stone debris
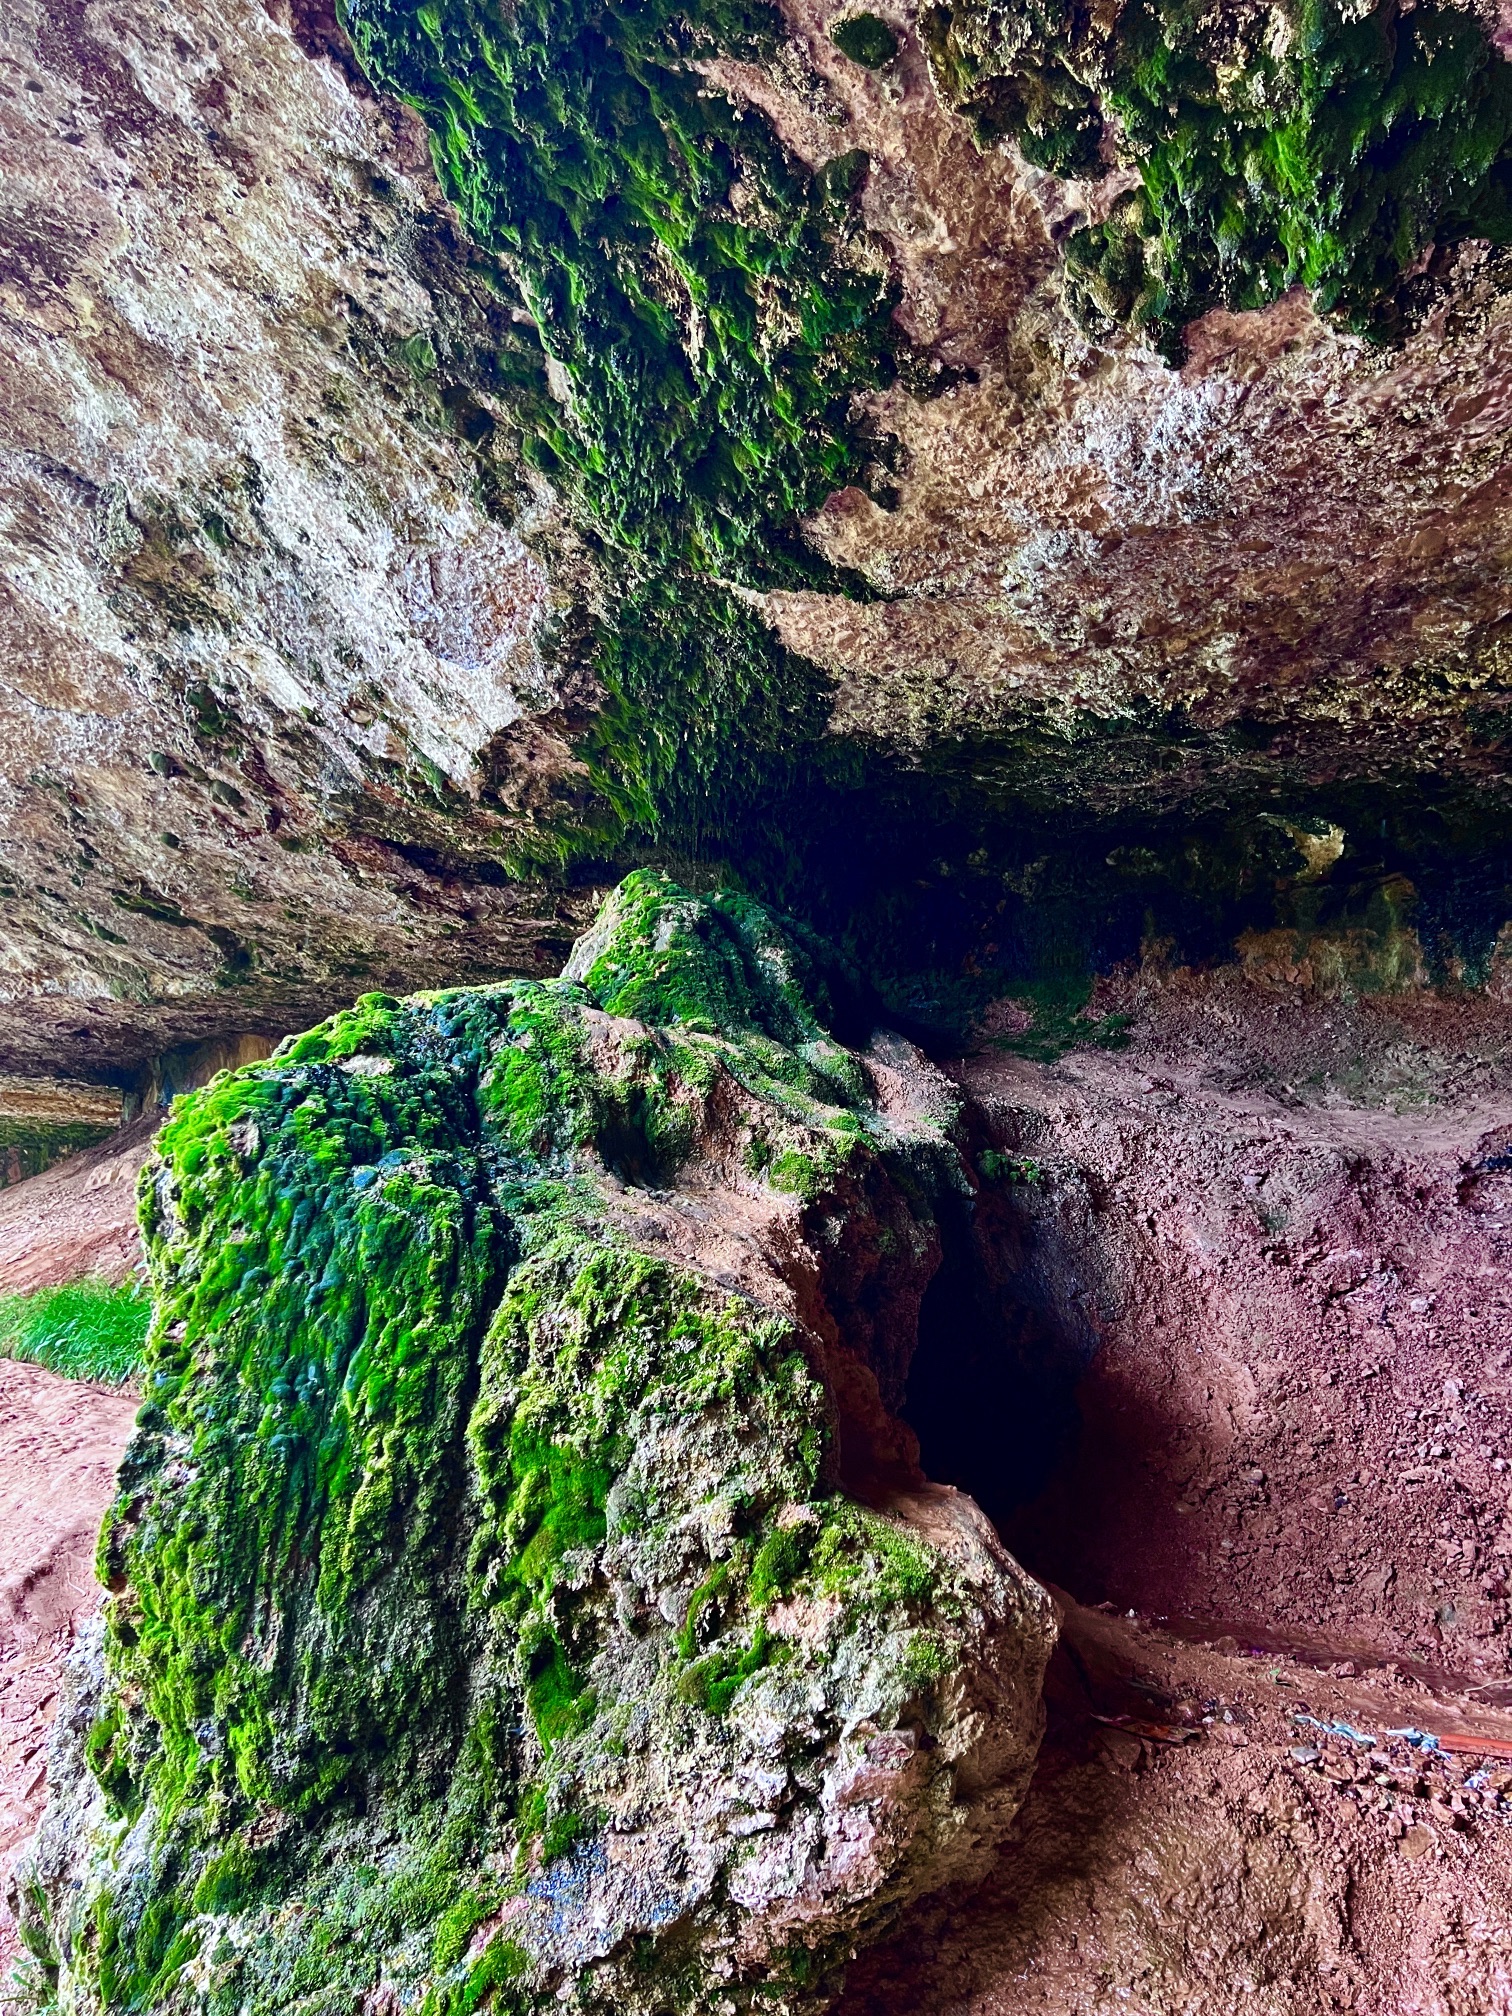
(1416, 1780)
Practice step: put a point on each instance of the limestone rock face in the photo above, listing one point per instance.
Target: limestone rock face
(843, 446)
(275, 598)
(520, 1581)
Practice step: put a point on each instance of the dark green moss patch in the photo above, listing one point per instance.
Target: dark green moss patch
(686, 276)
(703, 315)
(866, 39)
(29, 1145)
(1323, 146)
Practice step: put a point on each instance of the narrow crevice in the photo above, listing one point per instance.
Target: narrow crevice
(991, 1390)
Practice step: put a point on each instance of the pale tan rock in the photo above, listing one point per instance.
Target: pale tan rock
(268, 616)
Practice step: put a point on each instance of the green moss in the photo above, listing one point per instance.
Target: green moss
(85, 1329)
(501, 1962)
(27, 1146)
(412, 1404)
(927, 1659)
(997, 1168)
(562, 1835)
(712, 1683)
(710, 312)
(1059, 1019)
(870, 1560)
(701, 1599)
(455, 1928)
(710, 342)
(715, 965)
(866, 39)
(780, 1559)
(1318, 145)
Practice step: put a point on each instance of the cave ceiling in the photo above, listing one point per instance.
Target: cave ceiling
(1005, 484)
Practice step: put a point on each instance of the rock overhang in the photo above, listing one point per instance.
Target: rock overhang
(896, 557)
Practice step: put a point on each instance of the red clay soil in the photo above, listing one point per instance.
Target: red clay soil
(1207, 1850)
(77, 1218)
(60, 1442)
(1298, 1423)
(1286, 1227)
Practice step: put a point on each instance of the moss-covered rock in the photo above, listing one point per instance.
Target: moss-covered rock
(693, 284)
(1317, 144)
(490, 1620)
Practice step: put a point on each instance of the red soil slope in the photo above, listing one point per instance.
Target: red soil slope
(60, 1442)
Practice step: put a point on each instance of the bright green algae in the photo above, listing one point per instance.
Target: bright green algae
(1315, 144)
(688, 277)
(411, 1399)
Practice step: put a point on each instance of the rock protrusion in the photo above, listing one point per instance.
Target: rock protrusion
(490, 1614)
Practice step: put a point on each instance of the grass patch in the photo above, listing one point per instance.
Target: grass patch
(86, 1330)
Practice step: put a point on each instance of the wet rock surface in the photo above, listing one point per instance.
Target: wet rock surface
(1290, 531)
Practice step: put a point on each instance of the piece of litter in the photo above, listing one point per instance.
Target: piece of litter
(1465, 1743)
(1337, 1729)
(1156, 1732)
(1305, 1753)
(1420, 1739)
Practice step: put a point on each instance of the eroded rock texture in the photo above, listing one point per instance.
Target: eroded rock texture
(521, 1583)
(987, 478)
(275, 599)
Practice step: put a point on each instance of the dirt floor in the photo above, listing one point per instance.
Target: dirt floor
(60, 1442)
(1274, 1237)
(1195, 1844)
(1296, 1310)
(77, 1218)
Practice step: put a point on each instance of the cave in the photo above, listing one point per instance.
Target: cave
(992, 1389)
(755, 989)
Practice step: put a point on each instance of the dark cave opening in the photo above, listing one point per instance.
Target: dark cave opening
(992, 1387)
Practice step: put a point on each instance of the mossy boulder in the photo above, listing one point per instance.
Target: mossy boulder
(520, 1592)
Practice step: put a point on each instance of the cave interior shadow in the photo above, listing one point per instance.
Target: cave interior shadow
(1006, 1335)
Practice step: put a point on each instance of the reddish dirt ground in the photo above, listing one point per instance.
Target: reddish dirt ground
(1297, 1425)
(1281, 1230)
(60, 1442)
(1234, 1859)
(77, 1218)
